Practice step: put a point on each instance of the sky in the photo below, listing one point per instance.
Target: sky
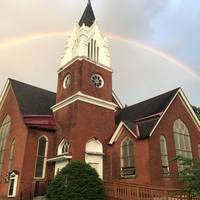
(154, 44)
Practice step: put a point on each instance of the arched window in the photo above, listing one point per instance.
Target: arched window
(11, 157)
(182, 139)
(4, 131)
(127, 157)
(41, 157)
(12, 187)
(164, 156)
(63, 147)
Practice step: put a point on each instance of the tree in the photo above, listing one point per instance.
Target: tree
(76, 181)
(190, 175)
(197, 111)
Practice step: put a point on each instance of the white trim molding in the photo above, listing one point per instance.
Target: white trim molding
(79, 96)
(118, 132)
(12, 186)
(80, 58)
(89, 42)
(186, 104)
(117, 100)
(4, 93)
(59, 158)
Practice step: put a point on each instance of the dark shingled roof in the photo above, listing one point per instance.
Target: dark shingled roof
(88, 16)
(145, 109)
(146, 127)
(33, 100)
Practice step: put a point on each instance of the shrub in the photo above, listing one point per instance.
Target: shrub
(76, 181)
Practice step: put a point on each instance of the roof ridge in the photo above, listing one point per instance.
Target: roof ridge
(151, 98)
(27, 84)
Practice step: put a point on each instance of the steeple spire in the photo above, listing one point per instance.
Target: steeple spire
(87, 41)
(88, 16)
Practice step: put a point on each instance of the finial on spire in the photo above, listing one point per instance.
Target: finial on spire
(89, 2)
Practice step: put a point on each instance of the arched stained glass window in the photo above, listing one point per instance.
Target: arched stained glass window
(182, 139)
(164, 156)
(12, 150)
(127, 157)
(4, 132)
(41, 157)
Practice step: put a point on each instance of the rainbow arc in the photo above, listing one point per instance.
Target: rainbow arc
(163, 55)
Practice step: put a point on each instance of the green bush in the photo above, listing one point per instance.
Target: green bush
(76, 181)
(190, 175)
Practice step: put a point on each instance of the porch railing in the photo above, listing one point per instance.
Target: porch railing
(127, 191)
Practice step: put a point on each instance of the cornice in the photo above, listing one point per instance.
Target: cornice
(79, 96)
(83, 58)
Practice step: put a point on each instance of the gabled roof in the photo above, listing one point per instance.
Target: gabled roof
(33, 100)
(145, 115)
(88, 16)
(146, 108)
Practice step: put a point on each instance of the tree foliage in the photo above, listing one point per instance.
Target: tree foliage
(197, 111)
(76, 181)
(190, 175)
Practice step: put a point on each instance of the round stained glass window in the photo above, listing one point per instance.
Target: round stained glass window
(97, 80)
(67, 81)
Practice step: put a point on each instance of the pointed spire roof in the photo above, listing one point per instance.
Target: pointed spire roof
(88, 16)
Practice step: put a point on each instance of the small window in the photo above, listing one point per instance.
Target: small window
(63, 147)
(127, 157)
(12, 187)
(164, 156)
(41, 157)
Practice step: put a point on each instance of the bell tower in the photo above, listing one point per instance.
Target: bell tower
(85, 64)
(86, 40)
(84, 108)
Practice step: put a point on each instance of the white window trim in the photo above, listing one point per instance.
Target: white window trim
(60, 146)
(15, 185)
(127, 176)
(162, 137)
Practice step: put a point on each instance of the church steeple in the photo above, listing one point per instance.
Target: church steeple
(87, 42)
(88, 16)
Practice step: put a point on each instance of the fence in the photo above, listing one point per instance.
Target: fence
(125, 191)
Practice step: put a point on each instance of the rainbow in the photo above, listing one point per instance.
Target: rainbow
(163, 55)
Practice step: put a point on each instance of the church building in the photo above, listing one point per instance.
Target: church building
(42, 131)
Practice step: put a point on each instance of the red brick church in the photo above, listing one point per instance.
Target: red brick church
(42, 131)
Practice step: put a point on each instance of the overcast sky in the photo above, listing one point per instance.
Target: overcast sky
(154, 44)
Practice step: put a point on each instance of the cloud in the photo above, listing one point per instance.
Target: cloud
(169, 25)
